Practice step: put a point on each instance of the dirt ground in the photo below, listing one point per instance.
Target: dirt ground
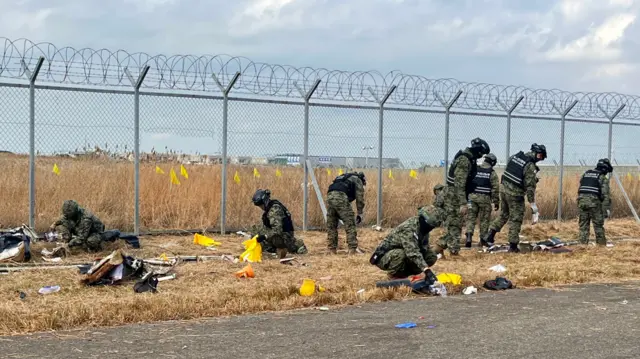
(210, 288)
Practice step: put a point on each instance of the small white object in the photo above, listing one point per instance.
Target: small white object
(534, 218)
(610, 245)
(498, 268)
(625, 302)
(361, 291)
(439, 255)
(49, 289)
(470, 290)
(324, 309)
(377, 228)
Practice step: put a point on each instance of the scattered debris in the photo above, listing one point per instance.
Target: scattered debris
(246, 272)
(204, 240)
(420, 317)
(499, 268)
(431, 326)
(22, 295)
(58, 252)
(326, 278)
(15, 245)
(406, 325)
(49, 289)
(624, 302)
(610, 245)
(499, 283)
(292, 261)
(470, 290)
(324, 309)
(376, 228)
(52, 260)
(417, 284)
(452, 278)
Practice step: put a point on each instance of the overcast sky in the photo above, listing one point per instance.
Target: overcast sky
(588, 45)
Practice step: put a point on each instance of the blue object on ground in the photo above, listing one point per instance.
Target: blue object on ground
(406, 325)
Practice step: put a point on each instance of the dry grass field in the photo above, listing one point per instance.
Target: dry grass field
(211, 289)
(106, 187)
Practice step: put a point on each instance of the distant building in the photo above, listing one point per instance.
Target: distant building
(336, 161)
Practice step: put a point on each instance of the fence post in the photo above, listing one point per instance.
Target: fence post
(305, 190)
(225, 109)
(509, 111)
(563, 116)
(610, 118)
(32, 137)
(380, 138)
(447, 107)
(136, 144)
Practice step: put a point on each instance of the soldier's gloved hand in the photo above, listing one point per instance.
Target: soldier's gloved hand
(463, 210)
(429, 277)
(607, 214)
(359, 219)
(261, 238)
(496, 206)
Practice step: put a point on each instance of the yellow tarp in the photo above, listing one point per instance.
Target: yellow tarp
(452, 278)
(253, 250)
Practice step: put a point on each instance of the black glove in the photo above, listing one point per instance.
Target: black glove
(496, 206)
(358, 219)
(261, 238)
(429, 277)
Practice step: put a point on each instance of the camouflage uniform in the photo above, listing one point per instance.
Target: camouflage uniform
(339, 198)
(79, 227)
(481, 202)
(512, 199)
(456, 196)
(593, 204)
(403, 253)
(277, 227)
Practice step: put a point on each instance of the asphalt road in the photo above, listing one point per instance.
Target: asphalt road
(591, 321)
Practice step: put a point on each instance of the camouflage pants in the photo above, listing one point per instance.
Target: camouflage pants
(396, 264)
(453, 224)
(511, 212)
(590, 210)
(480, 210)
(338, 207)
(67, 230)
(286, 240)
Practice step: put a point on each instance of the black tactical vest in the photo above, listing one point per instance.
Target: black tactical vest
(287, 223)
(482, 181)
(590, 183)
(341, 184)
(468, 188)
(514, 173)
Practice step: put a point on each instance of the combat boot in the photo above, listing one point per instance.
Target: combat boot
(513, 248)
(469, 240)
(353, 251)
(489, 239)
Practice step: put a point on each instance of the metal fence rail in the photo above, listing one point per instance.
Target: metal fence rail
(229, 102)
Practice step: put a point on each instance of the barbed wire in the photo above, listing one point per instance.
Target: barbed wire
(103, 67)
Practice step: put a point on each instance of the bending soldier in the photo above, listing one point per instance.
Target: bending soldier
(459, 183)
(486, 191)
(79, 227)
(345, 189)
(594, 201)
(277, 226)
(519, 179)
(405, 251)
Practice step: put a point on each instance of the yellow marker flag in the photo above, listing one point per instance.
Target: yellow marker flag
(183, 172)
(328, 171)
(256, 174)
(164, 257)
(390, 174)
(56, 170)
(413, 174)
(159, 170)
(629, 175)
(204, 240)
(174, 177)
(278, 173)
(340, 172)
(236, 177)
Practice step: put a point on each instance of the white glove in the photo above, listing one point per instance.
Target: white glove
(534, 208)
(608, 214)
(534, 219)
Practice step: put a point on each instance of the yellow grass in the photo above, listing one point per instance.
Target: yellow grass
(210, 288)
(107, 188)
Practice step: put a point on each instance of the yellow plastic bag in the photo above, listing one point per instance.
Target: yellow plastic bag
(308, 287)
(253, 250)
(204, 240)
(452, 278)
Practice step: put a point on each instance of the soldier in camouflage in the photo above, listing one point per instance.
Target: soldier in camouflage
(345, 189)
(439, 192)
(79, 227)
(594, 201)
(486, 191)
(459, 183)
(405, 251)
(277, 226)
(519, 179)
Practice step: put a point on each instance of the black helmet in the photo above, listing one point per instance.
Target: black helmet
(361, 176)
(479, 147)
(491, 159)
(261, 197)
(539, 149)
(604, 165)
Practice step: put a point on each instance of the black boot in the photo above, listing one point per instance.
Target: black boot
(489, 239)
(469, 237)
(513, 248)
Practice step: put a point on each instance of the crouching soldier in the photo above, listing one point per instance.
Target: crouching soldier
(277, 226)
(79, 227)
(405, 251)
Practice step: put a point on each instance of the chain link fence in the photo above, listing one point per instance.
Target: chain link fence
(202, 156)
